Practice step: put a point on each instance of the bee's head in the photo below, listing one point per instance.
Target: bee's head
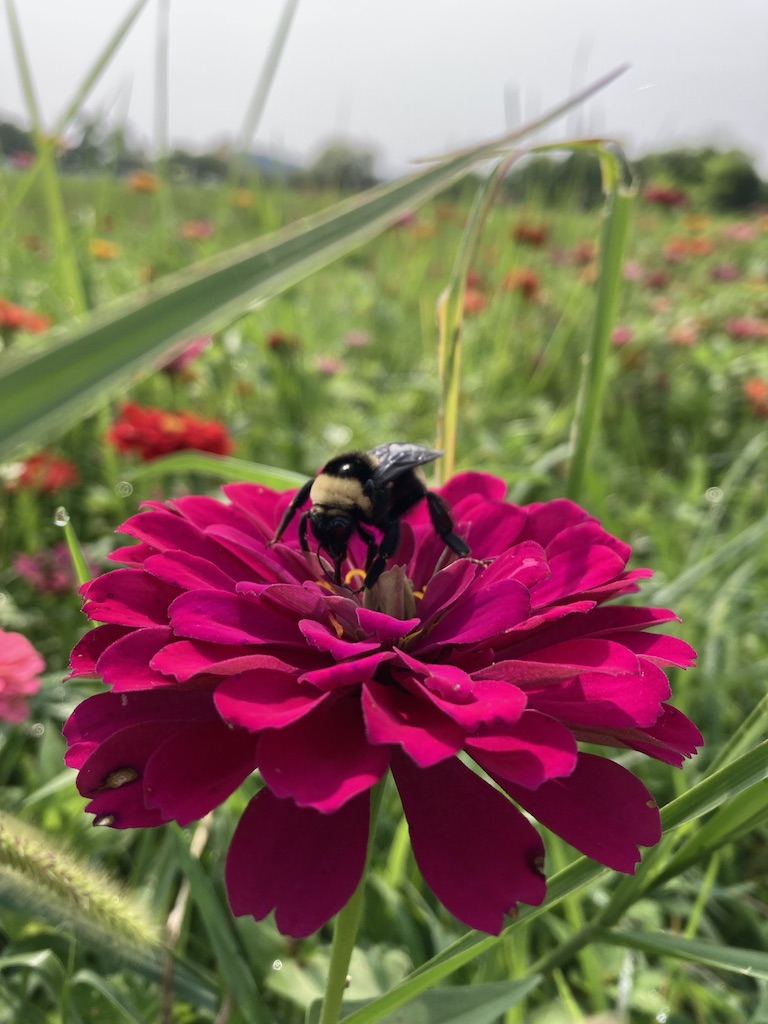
(333, 531)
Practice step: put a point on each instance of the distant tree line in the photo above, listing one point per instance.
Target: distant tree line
(704, 176)
(724, 180)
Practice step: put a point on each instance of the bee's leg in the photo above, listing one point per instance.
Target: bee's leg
(303, 532)
(375, 566)
(443, 524)
(299, 498)
(373, 546)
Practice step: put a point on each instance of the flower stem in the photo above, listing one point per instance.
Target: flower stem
(346, 926)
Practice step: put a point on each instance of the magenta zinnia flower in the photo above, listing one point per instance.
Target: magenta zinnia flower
(225, 655)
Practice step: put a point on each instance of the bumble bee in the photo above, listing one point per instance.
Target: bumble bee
(373, 488)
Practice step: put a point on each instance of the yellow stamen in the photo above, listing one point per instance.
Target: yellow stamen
(337, 626)
(354, 574)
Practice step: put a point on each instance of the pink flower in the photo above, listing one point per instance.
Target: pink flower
(622, 334)
(357, 339)
(20, 665)
(725, 271)
(225, 655)
(49, 571)
(740, 232)
(750, 328)
(190, 350)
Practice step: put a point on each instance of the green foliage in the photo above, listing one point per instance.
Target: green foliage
(347, 356)
(342, 167)
(731, 182)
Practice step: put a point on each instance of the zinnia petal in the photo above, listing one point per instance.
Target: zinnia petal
(476, 851)
(303, 864)
(600, 808)
(322, 760)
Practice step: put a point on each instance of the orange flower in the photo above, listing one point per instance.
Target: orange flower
(756, 393)
(686, 333)
(422, 230)
(530, 234)
(103, 249)
(700, 246)
(16, 318)
(696, 222)
(523, 280)
(242, 199)
(143, 181)
(474, 301)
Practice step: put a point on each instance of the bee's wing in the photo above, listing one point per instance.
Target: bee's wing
(397, 457)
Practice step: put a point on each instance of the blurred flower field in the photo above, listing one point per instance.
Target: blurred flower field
(348, 359)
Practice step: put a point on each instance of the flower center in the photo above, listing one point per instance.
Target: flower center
(392, 594)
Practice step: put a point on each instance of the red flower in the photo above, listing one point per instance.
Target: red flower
(20, 665)
(530, 234)
(523, 280)
(278, 341)
(662, 195)
(46, 473)
(149, 432)
(583, 253)
(225, 654)
(16, 318)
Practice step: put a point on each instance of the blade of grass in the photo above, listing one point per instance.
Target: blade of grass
(221, 467)
(751, 962)
(262, 90)
(450, 319)
(73, 108)
(66, 255)
(68, 377)
(595, 361)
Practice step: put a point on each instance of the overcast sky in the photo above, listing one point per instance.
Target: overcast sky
(413, 77)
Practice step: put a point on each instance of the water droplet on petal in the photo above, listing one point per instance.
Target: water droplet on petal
(104, 820)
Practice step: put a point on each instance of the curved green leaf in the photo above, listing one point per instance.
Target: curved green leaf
(73, 373)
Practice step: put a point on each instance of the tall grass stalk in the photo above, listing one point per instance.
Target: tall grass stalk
(261, 92)
(620, 201)
(72, 109)
(67, 265)
(450, 319)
